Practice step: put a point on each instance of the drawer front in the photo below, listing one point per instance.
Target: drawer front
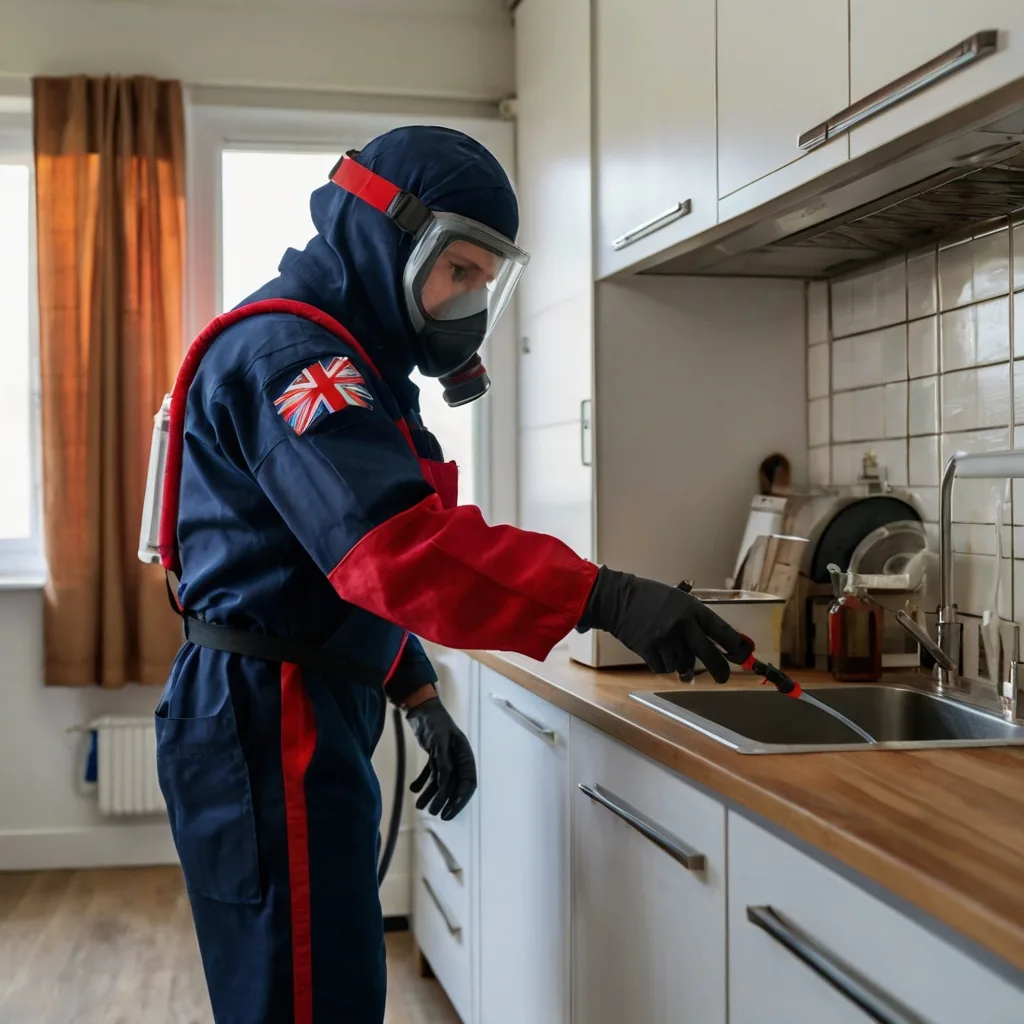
(915, 974)
(454, 834)
(658, 793)
(649, 903)
(446, 875)
(444, 940)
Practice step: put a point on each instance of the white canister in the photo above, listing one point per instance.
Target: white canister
(758, 616)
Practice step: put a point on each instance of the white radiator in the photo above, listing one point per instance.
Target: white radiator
(126, 781)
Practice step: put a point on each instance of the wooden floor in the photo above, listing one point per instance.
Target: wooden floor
(117, 947)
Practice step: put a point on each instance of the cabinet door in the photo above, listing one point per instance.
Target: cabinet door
(858, 941)
(555, 362)
(648, 932)
(889, 40)
(556, 482)
(553, 150)
(524, 856)
(654, 95)
(783, 67)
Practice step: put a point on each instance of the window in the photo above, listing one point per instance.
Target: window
(20, 525)
(243, 160)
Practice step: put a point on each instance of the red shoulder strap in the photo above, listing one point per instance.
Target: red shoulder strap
(168, 536)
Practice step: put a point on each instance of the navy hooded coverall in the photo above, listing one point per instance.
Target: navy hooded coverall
(317, 522)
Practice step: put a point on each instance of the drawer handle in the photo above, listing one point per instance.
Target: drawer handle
(446, 855)
(863, 992)
(965, 53)
(672, 845)
(453, 929)
(673, 213)
(547, 735)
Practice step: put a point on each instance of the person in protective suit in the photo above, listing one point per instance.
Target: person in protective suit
(314, 527)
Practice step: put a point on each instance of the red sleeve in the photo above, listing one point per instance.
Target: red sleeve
(449, 577)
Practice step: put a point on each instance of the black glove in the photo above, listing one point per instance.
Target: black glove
(667, 627)
(450, 773)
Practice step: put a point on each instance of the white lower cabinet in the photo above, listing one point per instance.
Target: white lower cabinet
(587, 883)
(807, 946)
(648, 891)
(524, 856)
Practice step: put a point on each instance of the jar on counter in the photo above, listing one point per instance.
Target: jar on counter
(855, 635)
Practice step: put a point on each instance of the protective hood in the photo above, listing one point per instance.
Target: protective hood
(355, 263)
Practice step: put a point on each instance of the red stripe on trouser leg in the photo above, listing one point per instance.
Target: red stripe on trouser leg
(298, 740)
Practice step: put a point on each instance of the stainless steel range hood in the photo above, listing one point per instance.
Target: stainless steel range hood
(931, 184)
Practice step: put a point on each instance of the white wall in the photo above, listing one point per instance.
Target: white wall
(438, 48)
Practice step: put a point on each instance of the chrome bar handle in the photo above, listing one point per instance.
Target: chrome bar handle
(446, 855)
(861, 991)
(656, 223)
(453, 929)
(538, 730)
(965, 53)
(672, 845)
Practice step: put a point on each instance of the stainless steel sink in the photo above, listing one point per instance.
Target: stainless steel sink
(898, 717)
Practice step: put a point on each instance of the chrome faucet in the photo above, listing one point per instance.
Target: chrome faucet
(947, 650)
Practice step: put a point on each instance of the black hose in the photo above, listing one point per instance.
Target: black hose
(396, 807)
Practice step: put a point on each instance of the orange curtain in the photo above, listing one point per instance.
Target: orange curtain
(110, 194)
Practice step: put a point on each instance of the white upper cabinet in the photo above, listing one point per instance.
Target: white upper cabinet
(890, 40)
(553, 150)
(654, 96)
(783, 68)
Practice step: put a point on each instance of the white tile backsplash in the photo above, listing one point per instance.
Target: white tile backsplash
(918, 368)
(870, 299)
(974, 583)
(974, 270)
(818, 422)
(820, 467)
(1018, 256)
(979, 539)
(896, 410)
(921, 284)
(926, 500)
(1018, 321)
(847, 460)
(923, 346)
(924, 406)
(924, 461)
(878, 357)
(975, 335)
(817, 371)
(974, 501)
(817, 312)
(972, 399)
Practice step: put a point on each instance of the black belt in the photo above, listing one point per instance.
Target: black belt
(277, 649)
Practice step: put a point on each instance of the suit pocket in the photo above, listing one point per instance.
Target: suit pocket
(205, 781)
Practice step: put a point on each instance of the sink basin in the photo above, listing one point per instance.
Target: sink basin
(765, 721)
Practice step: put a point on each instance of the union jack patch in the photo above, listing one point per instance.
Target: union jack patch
(323, 387)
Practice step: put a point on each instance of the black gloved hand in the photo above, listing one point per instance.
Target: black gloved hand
(450, 773)
(667, 627)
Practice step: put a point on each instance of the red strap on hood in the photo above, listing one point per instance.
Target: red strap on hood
(168, 534)
(362, 182)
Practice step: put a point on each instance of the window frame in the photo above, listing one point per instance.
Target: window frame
(23, 560)
(213, 129)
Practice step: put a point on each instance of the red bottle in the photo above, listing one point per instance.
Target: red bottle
(855, 636)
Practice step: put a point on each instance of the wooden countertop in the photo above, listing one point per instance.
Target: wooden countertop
(943, 829)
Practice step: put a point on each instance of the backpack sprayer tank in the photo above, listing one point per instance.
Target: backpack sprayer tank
(149, 534)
